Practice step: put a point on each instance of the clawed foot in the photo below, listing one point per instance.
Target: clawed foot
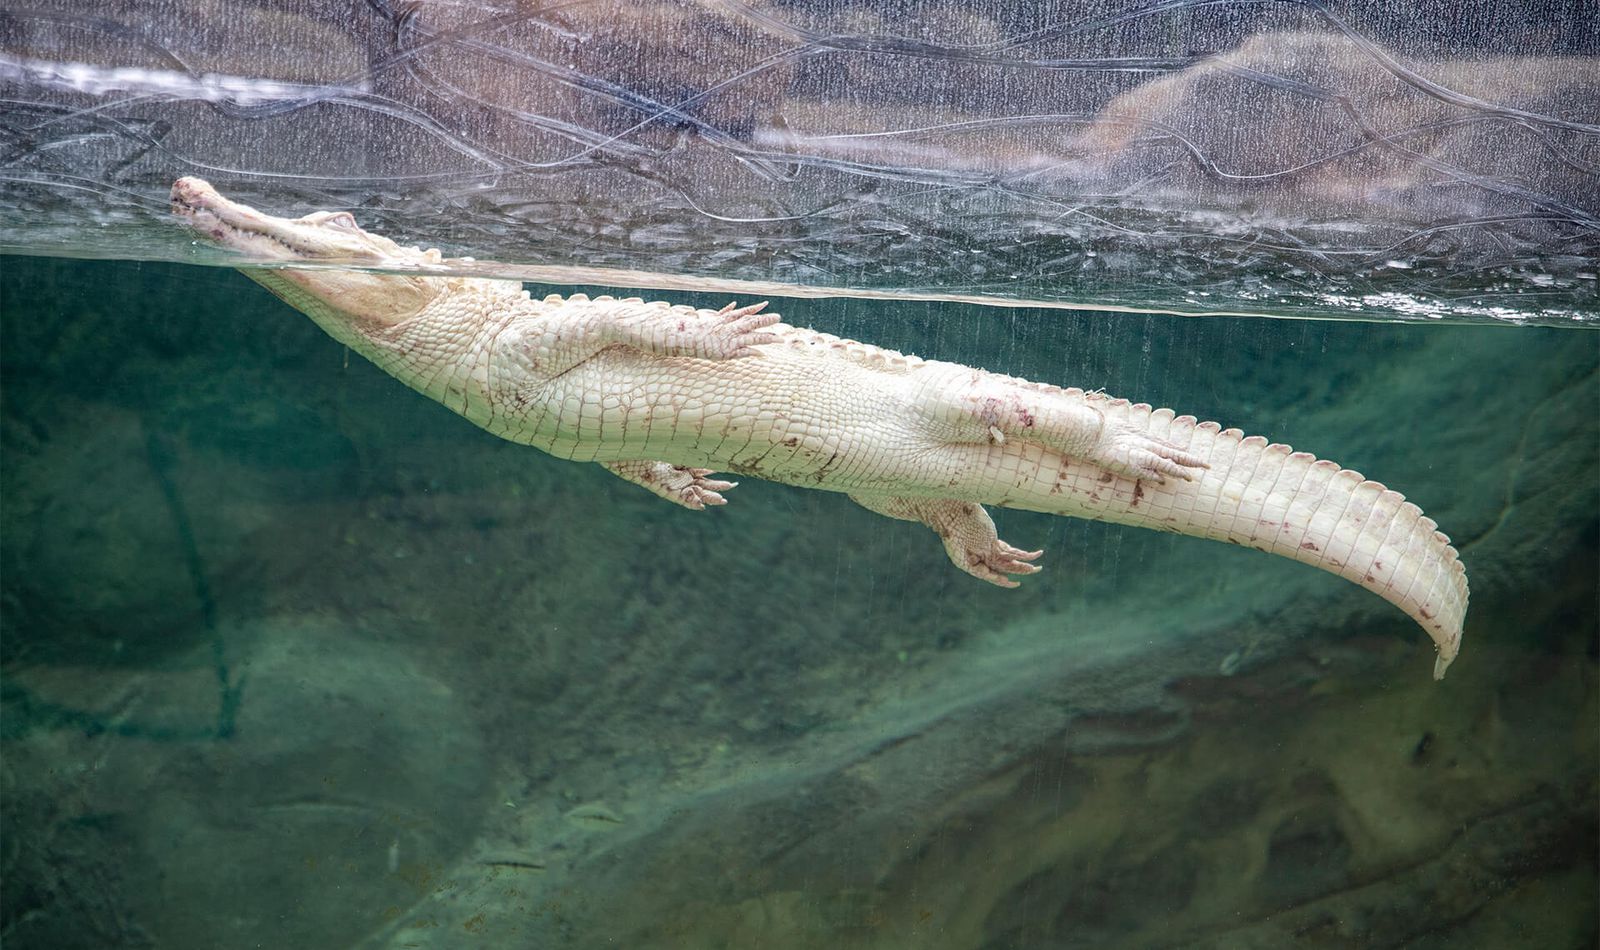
(1139, 456)
(967, 531)
(991, 561)
(693, 488)
(738, 331)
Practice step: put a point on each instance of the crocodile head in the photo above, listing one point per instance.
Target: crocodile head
(346, 302)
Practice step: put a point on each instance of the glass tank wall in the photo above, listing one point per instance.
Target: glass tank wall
(1428, 161)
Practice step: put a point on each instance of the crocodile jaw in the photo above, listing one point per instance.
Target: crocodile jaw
(322, 237)
(345, 302)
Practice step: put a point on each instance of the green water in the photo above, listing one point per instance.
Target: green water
(295, 657)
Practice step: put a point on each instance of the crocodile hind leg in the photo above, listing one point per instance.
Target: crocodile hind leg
(968, 533)
(986, 407)
(690, 487)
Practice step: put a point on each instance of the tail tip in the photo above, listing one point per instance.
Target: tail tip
(1441, 663)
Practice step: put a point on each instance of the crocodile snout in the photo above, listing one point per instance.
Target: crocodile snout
(188, 193)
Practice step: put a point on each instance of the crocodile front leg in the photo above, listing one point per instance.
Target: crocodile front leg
(968, 533)
(693, 488)
(566, 332)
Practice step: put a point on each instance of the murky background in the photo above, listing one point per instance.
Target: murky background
(292, 656)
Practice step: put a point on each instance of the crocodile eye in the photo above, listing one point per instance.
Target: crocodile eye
(342, 219)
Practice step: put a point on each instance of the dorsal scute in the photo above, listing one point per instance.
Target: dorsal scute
(854, 351)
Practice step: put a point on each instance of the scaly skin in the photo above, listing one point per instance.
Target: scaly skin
(665, 396)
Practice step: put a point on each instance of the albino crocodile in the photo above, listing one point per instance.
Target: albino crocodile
(665, 396)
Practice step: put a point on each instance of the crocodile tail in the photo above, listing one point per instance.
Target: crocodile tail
(1274, 499)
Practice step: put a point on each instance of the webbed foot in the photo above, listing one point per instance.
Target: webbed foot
(1136, 455)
